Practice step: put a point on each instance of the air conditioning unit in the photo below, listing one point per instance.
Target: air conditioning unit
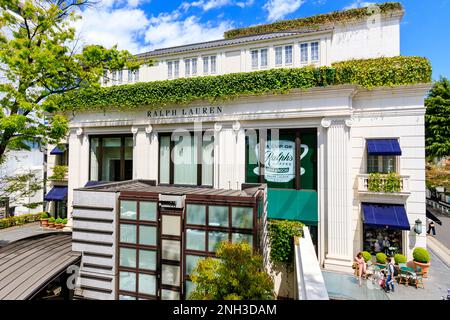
(170, 201)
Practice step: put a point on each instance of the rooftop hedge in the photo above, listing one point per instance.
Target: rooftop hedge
(314, 21)
(368, 73)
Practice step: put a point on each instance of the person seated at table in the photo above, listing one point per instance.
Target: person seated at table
(361, 267)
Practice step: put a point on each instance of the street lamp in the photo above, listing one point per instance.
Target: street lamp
(418, 226)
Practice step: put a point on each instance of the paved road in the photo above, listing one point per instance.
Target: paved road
(16, 233)
(443, 232)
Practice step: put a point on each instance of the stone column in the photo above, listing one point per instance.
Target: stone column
(338, 194)
(78, 150)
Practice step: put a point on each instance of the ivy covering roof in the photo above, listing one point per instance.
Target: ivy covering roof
(368, 73)
(315, 21)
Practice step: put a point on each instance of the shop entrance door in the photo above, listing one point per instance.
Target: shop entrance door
(170, 256)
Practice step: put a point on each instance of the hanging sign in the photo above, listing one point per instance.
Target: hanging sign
(279, 160)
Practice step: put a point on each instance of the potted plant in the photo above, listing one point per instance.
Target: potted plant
(64, 221)
(421, 258)
(399, 258)
(381, 258)
(51, 222)
(44, 219)
(59, 223)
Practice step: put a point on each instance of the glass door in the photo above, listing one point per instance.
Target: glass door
(170, 257)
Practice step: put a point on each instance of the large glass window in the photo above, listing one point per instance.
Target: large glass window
(288, 54)
(386, 240)
(381, 164)
(254, 59)
(213, 64)
(111, 158)
(187, 67)
(278, 56)
(304, 53)
(282, 158)
(263, 57)
(194, 66)
(186, 159)
(314, 51)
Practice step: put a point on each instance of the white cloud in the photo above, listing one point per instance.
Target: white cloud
(278, 9)
(358, 4)
(108, 26)
(207, 5)
(168, 31)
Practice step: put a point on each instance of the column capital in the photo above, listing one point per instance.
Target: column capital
(217, 127)
(325, 123)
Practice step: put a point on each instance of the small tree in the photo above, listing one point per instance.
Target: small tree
(237, 274)
(437, 120)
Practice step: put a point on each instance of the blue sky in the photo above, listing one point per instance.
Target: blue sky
(143, 25)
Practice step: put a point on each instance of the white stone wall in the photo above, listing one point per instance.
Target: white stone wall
(354, 114)
(372, 38)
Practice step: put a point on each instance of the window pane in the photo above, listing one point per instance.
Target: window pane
(190, 286)
(279, 159)
(288, 54)
(242, 217)
(136, 75)
(372, 164)
(169, 295)
(215, 238)
(128, 209)
(171, 250)
(278, 55)
(122, 297)
(254, 58)
(213, 64)
(176, 69)
(191, 263)
(128, 155)
(127, 281)
(147, 259)
(242, 237)
(171, 225)
(308, 162)
(388, 164)
(205, 64)
(164, 159)
(111, 159)
(304, 53)
(147, 211)
(263, 57)
(127, 233)
(196, 214)
(147, 284)
(195, 240)
(251, 150)
(169, 69)
(130, 76)
(187, 67)
(218, 216)
(194, 66)
(170, 275)
(147, 235)
(185, 159)
(128, 257)
(95, 152)
(207, 160)
(314, 51)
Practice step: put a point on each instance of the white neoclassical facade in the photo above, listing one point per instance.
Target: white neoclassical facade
(314, 148)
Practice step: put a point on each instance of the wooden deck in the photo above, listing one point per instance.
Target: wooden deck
(28, 265)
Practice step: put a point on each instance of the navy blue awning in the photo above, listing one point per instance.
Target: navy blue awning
(56, 150)
(383, 147)
(56, 194)
(385, 215)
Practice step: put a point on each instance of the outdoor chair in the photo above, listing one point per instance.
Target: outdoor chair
(417, 278)
(403, 276)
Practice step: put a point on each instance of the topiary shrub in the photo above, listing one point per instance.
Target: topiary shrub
(59, 221)
(399, 258)
(381, 258)
(44, 215)
(51, 219)
(64, 221)
(421, 255)
(367, 256)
